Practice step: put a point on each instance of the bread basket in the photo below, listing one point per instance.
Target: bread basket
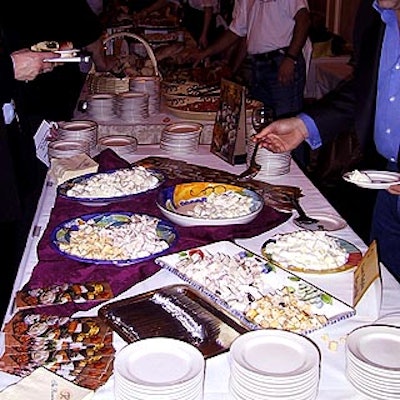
(104, 82)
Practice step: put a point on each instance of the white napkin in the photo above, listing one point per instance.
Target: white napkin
(63, 169)
(43, 384)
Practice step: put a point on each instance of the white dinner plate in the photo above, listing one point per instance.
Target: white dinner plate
(376, 345)
(84, 59)
(66, 53)
(274, 352)
(392, 319)
(159, 362)
(379, 179)
(326, 222)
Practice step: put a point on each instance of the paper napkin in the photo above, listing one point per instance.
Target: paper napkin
(43, 384)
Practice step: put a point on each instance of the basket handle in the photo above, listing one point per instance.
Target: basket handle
(149, 50)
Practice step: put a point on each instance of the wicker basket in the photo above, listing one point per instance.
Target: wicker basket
(102, 82)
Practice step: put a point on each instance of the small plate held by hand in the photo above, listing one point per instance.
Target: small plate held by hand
(375, 179)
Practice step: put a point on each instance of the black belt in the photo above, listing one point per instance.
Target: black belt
(269, 55)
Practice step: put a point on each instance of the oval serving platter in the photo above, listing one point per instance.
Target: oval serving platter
(353, 260)
(63, 189)
(61, 235)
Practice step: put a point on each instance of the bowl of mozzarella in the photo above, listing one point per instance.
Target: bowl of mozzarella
(313, 252)
(209, 203)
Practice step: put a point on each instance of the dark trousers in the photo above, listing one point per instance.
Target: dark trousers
(264, 86)
(386, 229)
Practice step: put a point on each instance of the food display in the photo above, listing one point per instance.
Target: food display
(120, 184)
(113, 238)
(311, 251)
(259, 294)
(63, 293)
(78, 349)
(156, 21)
(209, 203)
(157, 37)
(46, 45)
(176, 311)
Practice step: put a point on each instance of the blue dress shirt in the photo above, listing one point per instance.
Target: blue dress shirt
(387, 121)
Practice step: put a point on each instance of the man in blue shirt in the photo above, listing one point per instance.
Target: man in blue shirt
(369, 102)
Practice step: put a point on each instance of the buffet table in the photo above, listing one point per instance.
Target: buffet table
(333, 384)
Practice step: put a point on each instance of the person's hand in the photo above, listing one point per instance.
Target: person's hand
(394, 189)
(29, 64)
(286, 72)
(203, 42)
(195, 56)
(282, 135)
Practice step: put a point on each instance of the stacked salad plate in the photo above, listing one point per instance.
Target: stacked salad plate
(373, 362)
(181, 138)
(159, 368)
(274, 364)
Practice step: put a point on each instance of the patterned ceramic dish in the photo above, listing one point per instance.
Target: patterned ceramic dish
(113, 238)
(147, 180)
(180, 204)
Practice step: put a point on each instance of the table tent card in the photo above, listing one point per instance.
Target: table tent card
(229, 134)
(368, 284)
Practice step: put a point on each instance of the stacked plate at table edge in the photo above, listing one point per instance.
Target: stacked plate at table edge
(373, 362)
(159, 368)
(274, 364)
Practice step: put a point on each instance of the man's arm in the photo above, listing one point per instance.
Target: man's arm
(300, 32)
(228, 38)
(299, 37)
(207, 17)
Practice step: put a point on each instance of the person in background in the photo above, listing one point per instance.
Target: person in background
(199, 17)
(276, 33)
(370, 102)
(52, 96)
(23, 65)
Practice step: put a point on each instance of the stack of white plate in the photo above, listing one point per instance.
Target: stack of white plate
(133, 106)
(121, 144)
(101, 107)
(80, 130)
(373, 361)
(181, 137)
(272, 164)
(151, 86)
(160, 369)
(67, 148)
(274, 364)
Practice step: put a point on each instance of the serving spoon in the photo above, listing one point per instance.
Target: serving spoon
(254, 167)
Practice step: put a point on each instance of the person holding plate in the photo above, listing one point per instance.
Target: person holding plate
(369, 101)
(23, 65)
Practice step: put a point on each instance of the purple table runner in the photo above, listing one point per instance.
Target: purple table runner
(54, 268)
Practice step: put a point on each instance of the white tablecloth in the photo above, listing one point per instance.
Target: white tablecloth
(324, 75)
(333, 384)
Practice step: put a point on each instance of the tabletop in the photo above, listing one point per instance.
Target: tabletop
(333, 383)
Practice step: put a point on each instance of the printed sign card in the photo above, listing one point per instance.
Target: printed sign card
(367, 284)
(229, 134)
